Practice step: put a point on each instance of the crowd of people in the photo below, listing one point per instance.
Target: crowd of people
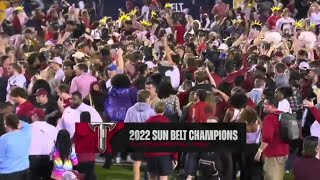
(65, 64)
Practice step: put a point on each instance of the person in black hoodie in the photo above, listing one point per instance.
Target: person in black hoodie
(96, 98)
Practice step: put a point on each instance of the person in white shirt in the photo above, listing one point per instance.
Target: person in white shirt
(285, 23)
(43, 137)
(71, 114)
(56, 64)
(17, 79)
(283, 103)
(174, 76)
(314, 16)
(145, 10)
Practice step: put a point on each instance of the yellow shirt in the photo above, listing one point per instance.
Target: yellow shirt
(3, 7)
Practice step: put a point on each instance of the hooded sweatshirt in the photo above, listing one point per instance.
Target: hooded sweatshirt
(85, 132)
(139, 113)
(118, 101)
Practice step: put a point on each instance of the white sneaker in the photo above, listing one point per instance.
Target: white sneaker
(238, 174)
(118, 160)
(129, 159)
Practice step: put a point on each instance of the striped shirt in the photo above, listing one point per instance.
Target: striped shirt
(59, 167)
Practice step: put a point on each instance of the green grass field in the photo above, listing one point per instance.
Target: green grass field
(125, 173)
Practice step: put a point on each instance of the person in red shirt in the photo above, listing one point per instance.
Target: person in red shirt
(258, 72)
(180, 31)
(184, 92)
(272, 20)
(217, 79)
(64, 97)
(159, 164)
(201, 110)
(85, 18)
(221, 9)
(292, 8)
(86, 164)
(232, 74)
(274, 149)
(16, 22)
(19, 97)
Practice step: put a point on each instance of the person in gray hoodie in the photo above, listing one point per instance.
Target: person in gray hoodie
(139, 113)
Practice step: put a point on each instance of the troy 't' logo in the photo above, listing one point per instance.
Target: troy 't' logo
(103, 129)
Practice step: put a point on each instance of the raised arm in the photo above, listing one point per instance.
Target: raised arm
(120, 62)
(212, 82)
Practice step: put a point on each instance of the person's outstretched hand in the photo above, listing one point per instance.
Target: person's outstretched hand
(307, 103)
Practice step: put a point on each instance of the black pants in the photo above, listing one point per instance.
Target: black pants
(253, 170)
(21, 175)
(237, 164)
(40, 167)
(87, 168)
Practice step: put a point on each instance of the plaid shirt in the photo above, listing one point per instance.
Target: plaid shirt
(295, 100)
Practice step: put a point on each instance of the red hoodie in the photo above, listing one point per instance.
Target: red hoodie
(85, 134)
(271, 135)
(160, 119)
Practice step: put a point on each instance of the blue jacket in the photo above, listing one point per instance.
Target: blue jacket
(118, 101)
(14, 150)
(139, 113)
(255, 94)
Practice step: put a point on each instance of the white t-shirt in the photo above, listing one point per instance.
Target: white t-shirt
(145, 9)
(315, 18)
(96, 34)
(284, 106)
(43, 138)
(71, 116)
(174, 77)
(284, 23)
(18, 80)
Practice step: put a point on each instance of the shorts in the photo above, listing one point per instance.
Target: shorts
(160, 166)
(137, 156)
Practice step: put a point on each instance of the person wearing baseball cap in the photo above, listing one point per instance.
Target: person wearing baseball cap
(289, 60)
(112, 70)
(304, 68)
(50, 107)
(314, 71)
(42, 135)
(56, 64)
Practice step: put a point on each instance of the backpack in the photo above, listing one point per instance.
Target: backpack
(289, 128)
(209, 165)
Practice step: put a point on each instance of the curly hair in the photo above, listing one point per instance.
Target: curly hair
(40, 83)
(238, 100)
(121, 81)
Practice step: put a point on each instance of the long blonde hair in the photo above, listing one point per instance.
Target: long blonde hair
(210, 99)
(47, 74)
